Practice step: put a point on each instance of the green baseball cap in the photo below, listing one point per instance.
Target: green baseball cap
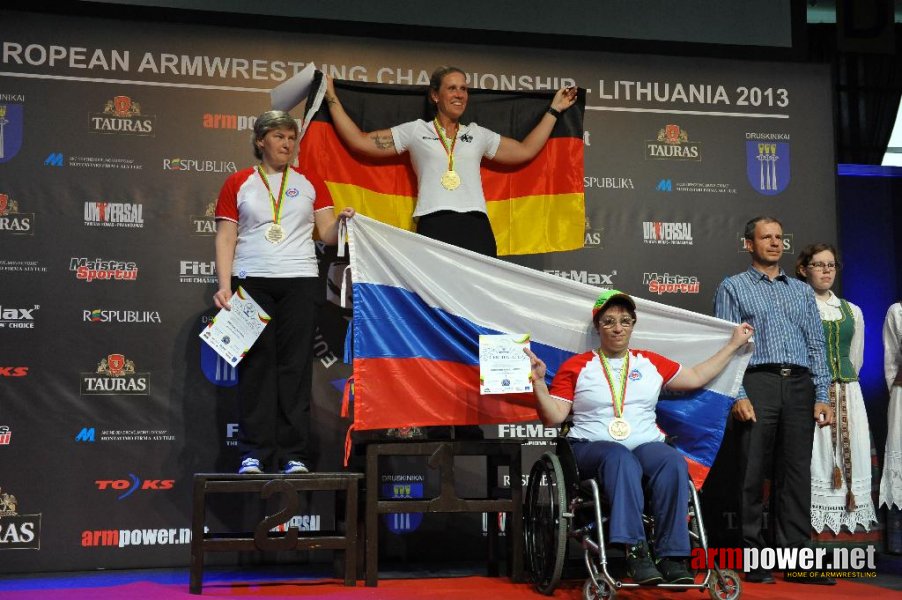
(605, 297)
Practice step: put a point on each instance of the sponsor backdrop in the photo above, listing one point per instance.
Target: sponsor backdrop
(116, 137)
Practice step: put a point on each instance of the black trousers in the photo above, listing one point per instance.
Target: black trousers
(777, 446)
(275, 378)
(469, 230)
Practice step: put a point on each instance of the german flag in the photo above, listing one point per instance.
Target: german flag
(534, 208)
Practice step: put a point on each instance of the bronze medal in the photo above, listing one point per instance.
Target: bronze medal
(450, 180)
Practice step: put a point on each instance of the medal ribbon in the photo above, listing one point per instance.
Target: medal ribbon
(617, 396)
(448, 145)
(276, 204)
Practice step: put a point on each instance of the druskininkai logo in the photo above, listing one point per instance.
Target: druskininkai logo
(767, 165)
(11, 128)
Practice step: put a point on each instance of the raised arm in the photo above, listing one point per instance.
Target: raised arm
(552, 411)
(327, 223)
(512, 152)
(374, 144)
(697, 376)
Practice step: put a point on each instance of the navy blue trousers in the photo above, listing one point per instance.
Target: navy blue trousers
(626, 476)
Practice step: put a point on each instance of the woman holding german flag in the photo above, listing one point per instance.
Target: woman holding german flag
(446, 157)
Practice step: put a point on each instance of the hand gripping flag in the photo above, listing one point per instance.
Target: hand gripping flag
(534, 208)
(420, 306)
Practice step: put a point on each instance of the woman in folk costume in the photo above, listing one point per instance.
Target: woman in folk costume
(891, 482)
(841, 455)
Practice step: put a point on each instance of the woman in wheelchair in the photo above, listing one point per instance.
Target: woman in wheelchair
(610, 395)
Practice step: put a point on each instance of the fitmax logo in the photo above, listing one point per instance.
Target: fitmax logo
(54, 159)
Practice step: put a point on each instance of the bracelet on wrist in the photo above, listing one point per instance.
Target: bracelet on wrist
(554, 112)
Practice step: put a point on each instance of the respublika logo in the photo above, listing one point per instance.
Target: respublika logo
(602, 280)
(115, 376)
(114, 214)
(672, 143)
(609, 183)
(11, 125)
(17, 532)
(88, 270)
(12, 222)
(199, 165)
(399, 487)
(660, 232)
(196, 271)
(127, 487)
(767, 162)
(666, 283)
(6, 435)
(122, 115)
(205, 224)
(12, 317)
(103, 315)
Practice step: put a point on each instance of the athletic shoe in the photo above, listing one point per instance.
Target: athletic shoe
(250, 466)
(640, 567)
(759, 575)
(674, 571)
(294, 467)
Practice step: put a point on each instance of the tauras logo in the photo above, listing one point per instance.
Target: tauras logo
(100, 315)
(115, 376)
(132, 484)
(597, 279)
(672, 143)
(665, 283)
(199, 165)
(122, 115)
(11, 220)
(205, 224)
(18, 318)
(21, 532)
(99, 268)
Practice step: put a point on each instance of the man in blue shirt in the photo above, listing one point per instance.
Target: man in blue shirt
(784, 388)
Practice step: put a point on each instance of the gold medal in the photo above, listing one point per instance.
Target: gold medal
(275, 234)
(450, 180)
(619, 429)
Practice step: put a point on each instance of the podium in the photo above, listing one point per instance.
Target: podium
(441, 456)
(262, 539)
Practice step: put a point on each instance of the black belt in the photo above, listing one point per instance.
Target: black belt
(781, 369)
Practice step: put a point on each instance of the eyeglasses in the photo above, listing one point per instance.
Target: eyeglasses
(608, 323)
(822, 266)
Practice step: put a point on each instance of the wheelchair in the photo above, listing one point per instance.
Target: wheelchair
(560, 507)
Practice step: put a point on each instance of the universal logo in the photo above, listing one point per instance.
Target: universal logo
(114, 214)
(17, 532)
(122, 115)
(6, 435)
(602, 280)
(17, 318)
(13, 222)
(660, 232)
(115, 376)
(788, 246)
(672, 143)
(205, 224)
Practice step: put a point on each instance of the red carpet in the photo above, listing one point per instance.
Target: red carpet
(470, 588)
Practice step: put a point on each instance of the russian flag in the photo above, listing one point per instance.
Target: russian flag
(534, 208)
(420, 306)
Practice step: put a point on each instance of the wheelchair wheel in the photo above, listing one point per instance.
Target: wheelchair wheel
(727, 586)
(545, 525)
(602, 591)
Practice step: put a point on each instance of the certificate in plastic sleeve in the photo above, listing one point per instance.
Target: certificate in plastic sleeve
(503, 366)
(231, 333)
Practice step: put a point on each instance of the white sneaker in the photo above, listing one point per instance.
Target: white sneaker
(250, 466)
(294, 467)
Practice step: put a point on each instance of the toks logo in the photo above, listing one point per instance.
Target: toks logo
(672, 143)
(115, 376)
(132, 484)
(13, 371)
(122, 115)
(88, 270)
(11, 220)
